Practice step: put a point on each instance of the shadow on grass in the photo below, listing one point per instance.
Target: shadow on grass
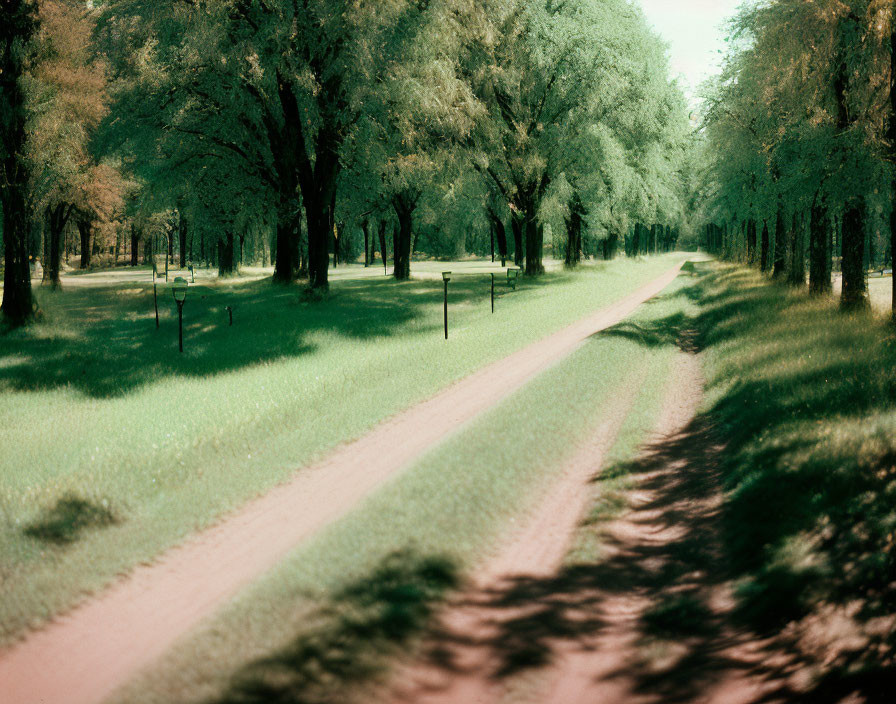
(783, 489)
(67, 519)
(367, 621)
(103, 341)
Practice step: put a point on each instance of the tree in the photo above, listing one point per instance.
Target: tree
(17, 31)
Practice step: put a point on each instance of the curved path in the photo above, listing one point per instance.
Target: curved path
(83, 656)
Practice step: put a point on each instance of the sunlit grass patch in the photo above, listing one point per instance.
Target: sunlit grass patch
(98, 402)
(805, 399)
(456, 503)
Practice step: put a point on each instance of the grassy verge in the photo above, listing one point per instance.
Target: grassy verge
(114, 447)
(451, 506)
(805, 398)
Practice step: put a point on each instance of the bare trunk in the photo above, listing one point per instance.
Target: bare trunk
(854, 294)
(226, 259)
(85, 230)
(797, 274)
(819, 254)
(16, 29)
(404, 206)
(384, 253)
(516, 225)
(365, 226)
(182, 241)
(764, 263)
(782, 245)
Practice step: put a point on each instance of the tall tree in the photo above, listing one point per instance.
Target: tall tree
(17, 31)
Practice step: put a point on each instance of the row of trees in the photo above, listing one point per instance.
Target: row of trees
(293, 129)
(800, 140)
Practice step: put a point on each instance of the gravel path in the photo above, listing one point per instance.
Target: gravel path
(86, 654)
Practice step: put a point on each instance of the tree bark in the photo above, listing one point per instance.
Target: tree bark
(365, 227)
(534, 243)
(18, 26)
(182, 240)
(781, 245)
(226, 259)
(500, 236)
(517, 221)
(85, 230)
(287, 236)
(751, 241)
(819, 254)
(56, 221)
(574, 231)
(893, 259)
(135, 245)
(636, 240)
(384, 253)
(797, 274)
(764, 264)
(854, 294)
(404, 205)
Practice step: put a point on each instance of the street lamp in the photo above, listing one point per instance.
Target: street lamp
(179, 289)
(446, 277)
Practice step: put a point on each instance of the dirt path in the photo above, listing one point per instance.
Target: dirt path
(83, 656)
(585, 632)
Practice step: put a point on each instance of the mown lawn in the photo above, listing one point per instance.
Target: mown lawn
(115, 447)
(332, 613)
(801, 401)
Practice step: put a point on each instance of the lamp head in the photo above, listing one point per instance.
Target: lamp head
(179, 289)
(446, 276)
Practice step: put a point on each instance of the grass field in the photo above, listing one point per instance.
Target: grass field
(281, 640)
(803, 399)
(117, 447)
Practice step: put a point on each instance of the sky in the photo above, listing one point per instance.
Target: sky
(694, 31)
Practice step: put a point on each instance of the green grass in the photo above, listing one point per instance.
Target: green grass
(804, 399)
(97, 405)
(452, 505)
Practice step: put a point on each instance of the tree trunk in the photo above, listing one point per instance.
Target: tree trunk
(302, 253)
(182, 241)
(854, 294)
(56, 220)
(893, 255)
(516, 225)
(382, 237)
(797, 274)
(891, 134)
(85, 230)
(574, 231)
(500, 236)
(751, 241)
(135, 246)
(534, 243)
(819, 254)
(288, 216)
(781, 245)
(319, 235)
(764, 264)
(16, 30)
(404, 206)
(365, 226)
(226, 260)
(636, 240)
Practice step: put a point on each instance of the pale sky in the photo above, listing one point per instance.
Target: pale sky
(694, 31)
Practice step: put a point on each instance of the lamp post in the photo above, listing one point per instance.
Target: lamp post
(446, 277)
(493, 293)
(179, 289)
